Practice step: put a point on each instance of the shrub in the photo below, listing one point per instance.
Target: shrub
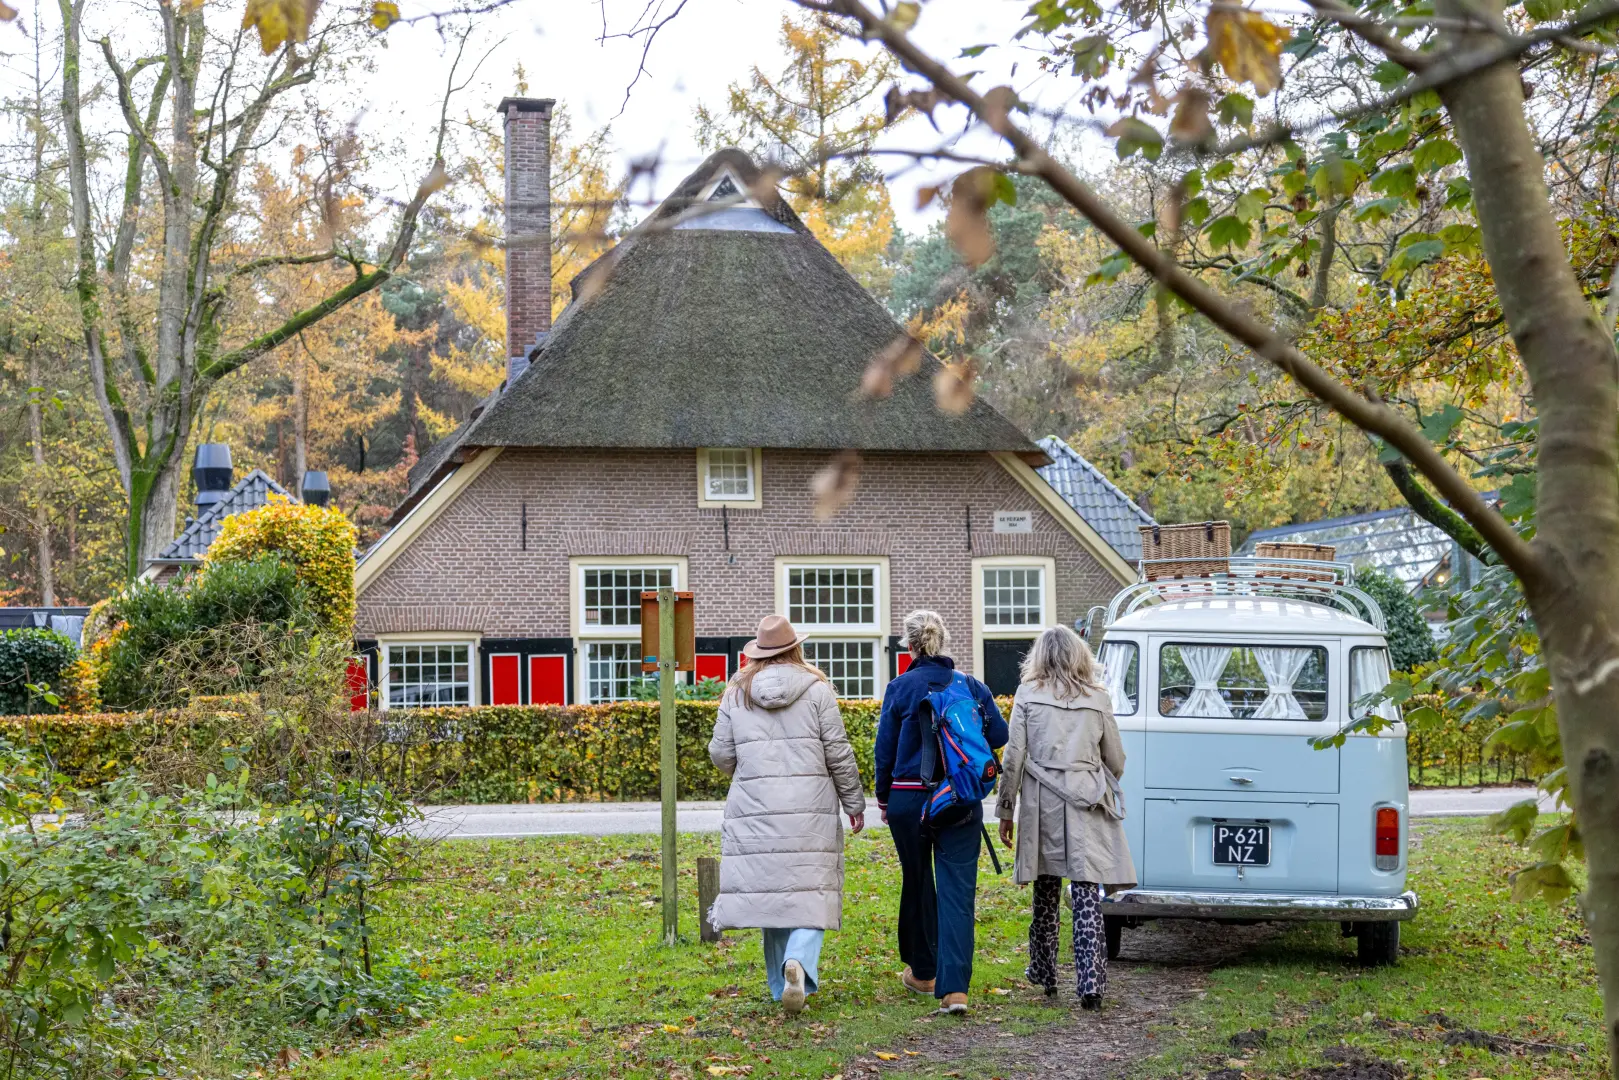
(1410, 640)
(33, 657)
(316, 541)
(217, 631)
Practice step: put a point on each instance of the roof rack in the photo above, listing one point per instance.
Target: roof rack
(1309, 580)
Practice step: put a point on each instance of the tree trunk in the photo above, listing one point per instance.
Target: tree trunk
(1572, 366)
(300, 424)
(42, 519)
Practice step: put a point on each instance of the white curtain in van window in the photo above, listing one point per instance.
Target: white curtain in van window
(1117, 660)
(1281, 667)
(1206, 663)
(1369, 673)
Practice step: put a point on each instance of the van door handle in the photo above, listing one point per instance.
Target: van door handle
(1242, 779)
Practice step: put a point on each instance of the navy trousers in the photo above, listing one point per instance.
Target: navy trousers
(938, 889)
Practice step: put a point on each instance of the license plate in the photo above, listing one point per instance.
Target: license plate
(1241, 845)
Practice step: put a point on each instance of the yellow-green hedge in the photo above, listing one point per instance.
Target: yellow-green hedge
(317, 541)
(490, 754)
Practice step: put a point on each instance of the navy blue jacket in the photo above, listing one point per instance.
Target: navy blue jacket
(905, 728)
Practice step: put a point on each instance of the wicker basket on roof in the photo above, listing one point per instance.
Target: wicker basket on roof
(1196, 550)
(1310, 552)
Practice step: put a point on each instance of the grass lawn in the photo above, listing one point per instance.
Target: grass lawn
(553, 946)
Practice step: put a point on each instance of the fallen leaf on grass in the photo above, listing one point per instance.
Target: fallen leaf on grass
(673, 1029)
(459, 1038)
(884, 1055)
(999, 991)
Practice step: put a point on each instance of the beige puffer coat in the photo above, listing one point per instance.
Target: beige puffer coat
(1069, 823)
(791, 770)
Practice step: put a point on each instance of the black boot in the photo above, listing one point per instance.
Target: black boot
(1090, 1002)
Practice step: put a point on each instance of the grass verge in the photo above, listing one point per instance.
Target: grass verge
(552, 945)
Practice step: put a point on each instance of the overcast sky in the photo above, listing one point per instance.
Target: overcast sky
(711, 44)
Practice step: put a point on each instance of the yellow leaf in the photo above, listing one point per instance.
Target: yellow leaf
(673, 1029)
(384, 13)
(460, 1038)
(905, 15)
(1247, 45)
(279, 21)
(999, 991)
(883, 1055)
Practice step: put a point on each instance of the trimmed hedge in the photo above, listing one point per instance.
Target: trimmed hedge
(488, 754)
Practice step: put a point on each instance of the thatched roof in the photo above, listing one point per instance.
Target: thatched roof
(730, 329)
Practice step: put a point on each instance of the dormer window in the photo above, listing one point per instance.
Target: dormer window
(728, 476)
(726, 189)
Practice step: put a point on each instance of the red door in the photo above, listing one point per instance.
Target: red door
(505, 679)
(712, 666)
(359, 684)
(902, 662)
(548, 680)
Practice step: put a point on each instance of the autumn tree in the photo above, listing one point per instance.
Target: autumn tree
(815, 120)
(1452, 94)
(160, 279)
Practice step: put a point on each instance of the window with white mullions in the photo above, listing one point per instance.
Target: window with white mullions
(851, 665)
(423, 676)
(832, 595)
(612, 595)
(1014, 596)
(1269, 682)
(729, 475)
(612, 670)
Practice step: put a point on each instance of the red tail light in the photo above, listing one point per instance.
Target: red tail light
(1387, 847)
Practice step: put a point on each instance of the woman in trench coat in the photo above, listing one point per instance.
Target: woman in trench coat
(1060, 785)
(781, 740)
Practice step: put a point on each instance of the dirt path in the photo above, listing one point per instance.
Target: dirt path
(1161, 966)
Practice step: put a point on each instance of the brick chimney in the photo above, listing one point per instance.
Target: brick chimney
(528, 228)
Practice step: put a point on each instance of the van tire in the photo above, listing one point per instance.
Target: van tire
(1379, 943)
(1113, 930)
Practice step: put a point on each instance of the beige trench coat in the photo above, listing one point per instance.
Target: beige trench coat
(1068, 820)
(792, 770)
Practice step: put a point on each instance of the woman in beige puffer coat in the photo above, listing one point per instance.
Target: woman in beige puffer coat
(781, 740)
(1060, 783)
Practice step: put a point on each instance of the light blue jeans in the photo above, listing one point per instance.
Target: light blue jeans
(784, 945)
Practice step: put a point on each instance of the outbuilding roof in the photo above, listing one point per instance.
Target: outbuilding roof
(724, 327)
(1096, 498)
(249, 493)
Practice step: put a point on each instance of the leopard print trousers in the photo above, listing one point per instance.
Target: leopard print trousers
(1090, 943)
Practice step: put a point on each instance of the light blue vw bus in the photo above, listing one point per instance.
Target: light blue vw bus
(1222, 684)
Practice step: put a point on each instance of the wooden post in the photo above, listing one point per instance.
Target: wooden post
(666, 738)
(708, 889)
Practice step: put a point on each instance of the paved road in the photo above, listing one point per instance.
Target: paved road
(605, 819)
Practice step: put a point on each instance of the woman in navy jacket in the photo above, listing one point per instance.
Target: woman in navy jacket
(939, 867)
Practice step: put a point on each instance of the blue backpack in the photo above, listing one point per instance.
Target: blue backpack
(969, 765)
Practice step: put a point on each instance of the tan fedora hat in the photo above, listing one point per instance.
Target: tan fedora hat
(776, 635)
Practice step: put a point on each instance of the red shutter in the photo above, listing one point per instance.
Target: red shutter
(548, 680)
(359, 684)
(712, 666)
(505, 675)
(902, 663)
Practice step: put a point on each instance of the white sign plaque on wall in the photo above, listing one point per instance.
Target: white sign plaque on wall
(1014, 521)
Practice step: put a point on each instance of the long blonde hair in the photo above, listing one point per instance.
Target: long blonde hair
(1061, 662)
(741, 683)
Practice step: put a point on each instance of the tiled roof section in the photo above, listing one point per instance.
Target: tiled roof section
(1097, 499)
(249, 493)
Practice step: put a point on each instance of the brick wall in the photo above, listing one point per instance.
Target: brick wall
(468, 570)
(528, 226)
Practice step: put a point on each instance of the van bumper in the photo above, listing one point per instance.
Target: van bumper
(1198, 904)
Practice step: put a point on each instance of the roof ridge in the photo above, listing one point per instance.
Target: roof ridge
(1052, 441)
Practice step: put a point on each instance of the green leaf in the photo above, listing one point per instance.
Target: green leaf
(1110, 268)
(1002, 190)
(1424, 716)
(1549, 880)
(1228, 231)
(1392, 140)
(1148, 228)
(1517, 820)
(1437, 426)
(1222, 169)
(1235, 109)
(1337, 176)
(1458, 193)
(1435, 154)
(1388, 74)
(1461, 239)
(1544, 10)
(1192, 182)
(1518, 498)
(1396, 180)
(1195, 212)
(1092, 55)
(1251, 205)
(73, 1015)
(1380, 210)
(973, 50)
(1135, 134)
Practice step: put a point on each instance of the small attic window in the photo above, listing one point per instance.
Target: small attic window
(725, 189)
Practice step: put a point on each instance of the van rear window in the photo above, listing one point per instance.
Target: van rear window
(1261, 682)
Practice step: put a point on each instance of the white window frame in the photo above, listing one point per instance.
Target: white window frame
(877, 658)
(432, 638)
(584, 664)
(583, 635)
(753, 501)
(877, 631)
(1048, 614)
